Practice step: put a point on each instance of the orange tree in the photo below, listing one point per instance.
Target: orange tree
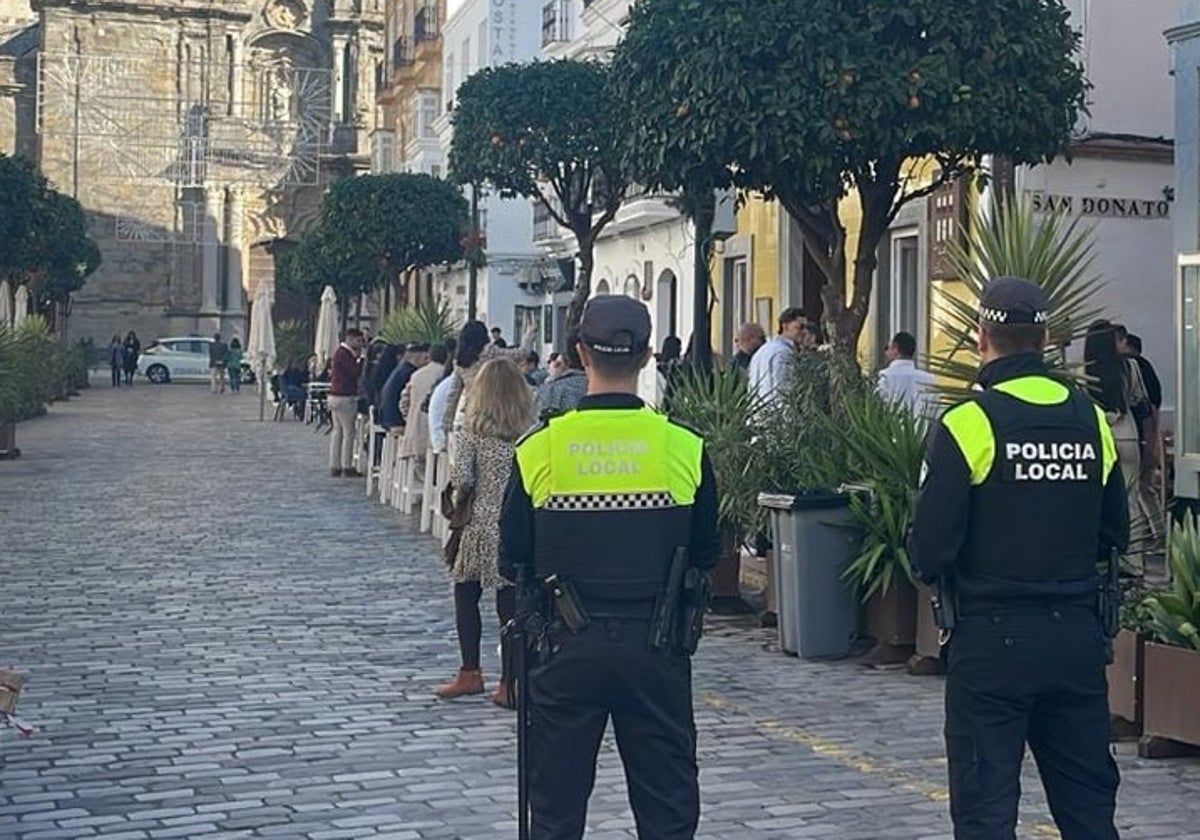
(544, 131)
(812, 102)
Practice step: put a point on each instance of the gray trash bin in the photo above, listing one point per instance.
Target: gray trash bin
(815, 539)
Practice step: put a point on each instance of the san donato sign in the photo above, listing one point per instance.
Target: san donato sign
(1091, 205)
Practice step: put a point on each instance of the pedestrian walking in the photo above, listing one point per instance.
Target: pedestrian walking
(903, 382)
(499, 410)
(133, 353)
(1115, 386)
(116, 360)
(1021, 494)
(1147, 415)
(612, 508)
(217, 352)
(233, 365)
(345, 372)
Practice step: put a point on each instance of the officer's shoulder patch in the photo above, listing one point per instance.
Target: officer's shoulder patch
(541, 425)
(674, 421)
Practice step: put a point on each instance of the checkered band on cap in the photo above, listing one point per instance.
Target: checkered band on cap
(611, 501)
(1000, 316)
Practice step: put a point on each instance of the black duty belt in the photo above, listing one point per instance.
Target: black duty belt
(987, 606)
(606, 610)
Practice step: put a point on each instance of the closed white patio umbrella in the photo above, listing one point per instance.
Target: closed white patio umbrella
(22, 306)
(6, 304)
(260, 346)
(326, 339)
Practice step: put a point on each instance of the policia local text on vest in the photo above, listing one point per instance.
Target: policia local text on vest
(611, 511)
(1022, 503)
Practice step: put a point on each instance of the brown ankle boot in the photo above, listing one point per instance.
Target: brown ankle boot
(505, 696)
(464, 683)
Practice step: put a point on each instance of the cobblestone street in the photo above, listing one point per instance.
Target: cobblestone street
(221, 640)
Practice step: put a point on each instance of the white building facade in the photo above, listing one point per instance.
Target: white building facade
(646, 251)
(1121, 176)
(510, 291)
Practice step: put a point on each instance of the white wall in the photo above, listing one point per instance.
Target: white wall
(1127, 60)
(668, 246)
(1134, 256)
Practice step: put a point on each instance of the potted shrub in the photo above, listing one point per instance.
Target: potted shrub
(1171, 687)
(722, 408)
(881, 446)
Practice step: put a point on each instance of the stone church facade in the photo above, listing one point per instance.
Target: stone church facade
(198, 134)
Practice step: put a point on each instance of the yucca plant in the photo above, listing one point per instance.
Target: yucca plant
(722, 407)
(1053, 250)
(1173, 616)
(881, 445)
(429, 322)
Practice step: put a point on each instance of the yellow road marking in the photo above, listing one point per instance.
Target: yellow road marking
(852, 759)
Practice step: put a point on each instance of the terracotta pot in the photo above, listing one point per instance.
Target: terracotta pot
(727, 575)
(892, 622)
(1171, 693)
(1126, 677)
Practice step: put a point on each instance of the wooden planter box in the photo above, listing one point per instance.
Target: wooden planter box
(1126, 678)
(892, 622)
(1171, 693)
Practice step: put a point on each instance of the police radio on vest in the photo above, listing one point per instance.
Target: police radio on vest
(1050, 461)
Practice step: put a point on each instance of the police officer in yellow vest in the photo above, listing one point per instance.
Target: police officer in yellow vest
(1022, 502)
(613, 501)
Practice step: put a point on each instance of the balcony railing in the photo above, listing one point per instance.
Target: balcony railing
(556, 22)
(425, 23)
(401, 53)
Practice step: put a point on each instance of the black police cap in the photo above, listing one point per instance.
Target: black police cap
(615, 325)
(1013, 300)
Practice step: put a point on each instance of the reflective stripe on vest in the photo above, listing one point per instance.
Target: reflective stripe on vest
(968, 424)
(593, 459)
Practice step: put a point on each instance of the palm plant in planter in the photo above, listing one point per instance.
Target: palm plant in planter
(723, 408)
(1053, 250)
(1172, 659)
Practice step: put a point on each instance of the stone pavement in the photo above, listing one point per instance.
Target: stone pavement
(223, 641)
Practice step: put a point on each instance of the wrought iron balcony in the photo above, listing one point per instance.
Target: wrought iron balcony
(401, 53)
(426, 26)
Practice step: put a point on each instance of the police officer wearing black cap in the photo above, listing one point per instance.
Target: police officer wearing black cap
(1022, 504)
(613, 508)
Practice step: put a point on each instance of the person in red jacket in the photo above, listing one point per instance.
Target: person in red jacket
(346, 372)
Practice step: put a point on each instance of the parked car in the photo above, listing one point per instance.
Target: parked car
(181, 360)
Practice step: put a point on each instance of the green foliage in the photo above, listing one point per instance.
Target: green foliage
(428, 322)
(1173, 616)
(811, 101)
(43, 234)
(546, 131)
(723, 409)
(832, 431)
(372, 228)
(291, 341)
(35, 369)
(883, 446)
(402, 220)
(1052, 250)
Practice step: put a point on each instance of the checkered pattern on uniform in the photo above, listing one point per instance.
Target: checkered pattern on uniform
(610, 501)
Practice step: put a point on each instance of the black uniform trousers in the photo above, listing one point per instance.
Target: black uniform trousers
(609, 670)
(1029, 674)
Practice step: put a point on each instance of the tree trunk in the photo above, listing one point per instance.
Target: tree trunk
(702, 218)
(583, 280)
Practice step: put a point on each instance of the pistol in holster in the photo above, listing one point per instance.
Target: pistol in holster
(945, 609)
(1109, 602)
(678, 621)
(566, 603)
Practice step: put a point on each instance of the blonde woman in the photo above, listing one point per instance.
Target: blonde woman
(499, 410)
